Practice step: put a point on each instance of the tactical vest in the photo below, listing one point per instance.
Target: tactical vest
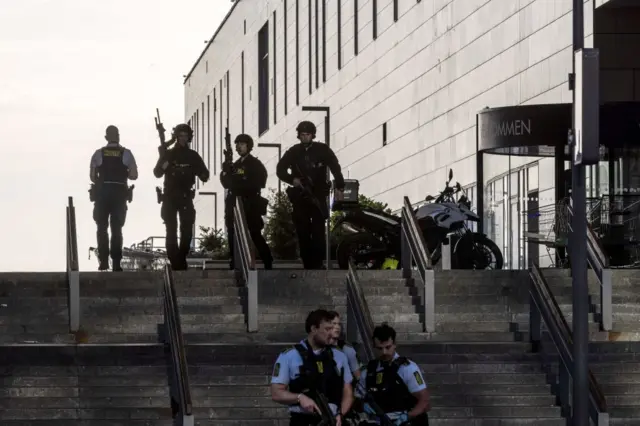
(112, 169)
(387, 388)
(318, 373)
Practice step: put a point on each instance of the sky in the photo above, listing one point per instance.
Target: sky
(69, 69)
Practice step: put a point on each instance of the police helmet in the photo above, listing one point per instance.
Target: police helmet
(242, 137)
(184, 128)
(306, 127)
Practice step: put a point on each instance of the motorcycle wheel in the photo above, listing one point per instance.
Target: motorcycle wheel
(482, 255)
(351, 244)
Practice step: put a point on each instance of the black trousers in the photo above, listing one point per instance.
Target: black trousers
(310, 229)
(298, 419)
(174, 207)
(110, 210)
(255, 224)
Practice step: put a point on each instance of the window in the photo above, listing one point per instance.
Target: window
(297, 52)
(221, 126)
(203, 146)
(310, 49)
(206, 66)
(275, 70)
(286, 58)
(355, 27)
(374, 22)
(339, 34)
(324, 41)
(196, 141)
(384, 134)
(395, 10)
(263, 79)
(245, 27)
(242, 89)
(317, 44)
(228, 92)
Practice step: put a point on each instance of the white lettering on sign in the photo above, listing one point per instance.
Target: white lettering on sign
(511, 128)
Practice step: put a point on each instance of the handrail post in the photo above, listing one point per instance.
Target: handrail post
(606, 294)
(73, 273)
(252, 301)
(405, 252)
(445, 258)
(245, 261)
(429, 300)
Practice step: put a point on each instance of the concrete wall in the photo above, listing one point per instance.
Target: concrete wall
(426, 76)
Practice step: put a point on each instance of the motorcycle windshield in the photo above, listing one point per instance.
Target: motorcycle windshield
(429, 210)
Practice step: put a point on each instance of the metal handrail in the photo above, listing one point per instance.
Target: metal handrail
(245, 263)
(543, 308)
(73, 269)
(181, 402)
(599, 262)
(358, 312)
(414, 248)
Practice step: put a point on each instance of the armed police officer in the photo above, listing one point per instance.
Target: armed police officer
(312, 372)
(340, 343)
(393, 384)
(304, 167)
(245, 178)
(110, 168)
(180, 166)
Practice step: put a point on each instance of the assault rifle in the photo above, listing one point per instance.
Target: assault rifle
(328, 419)
(228, 152)
(307, 193)
(160, 128)
(383, 419)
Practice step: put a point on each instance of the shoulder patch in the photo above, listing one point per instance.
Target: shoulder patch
(276, 369)
(418, 378)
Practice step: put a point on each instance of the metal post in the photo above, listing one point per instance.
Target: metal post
(327, 136)
(580, 403)
(429, 301)
(405, 250)
(252, 301)
(446, 254)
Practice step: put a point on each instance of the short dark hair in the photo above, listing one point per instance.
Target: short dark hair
(316, 317)
(334, 315)
(384, 332)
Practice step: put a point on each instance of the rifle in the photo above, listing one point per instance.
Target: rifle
(379, 412)
(160, 128)
(228, 152)
(328, 419)
(307, 193)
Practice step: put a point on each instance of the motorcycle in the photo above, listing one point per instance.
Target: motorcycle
(372, 238)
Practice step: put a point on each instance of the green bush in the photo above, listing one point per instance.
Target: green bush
(213, 242)
(279, 230)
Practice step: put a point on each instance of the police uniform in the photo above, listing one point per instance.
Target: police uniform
(351, 354)
(308, 162)
(326, 370)
(245, 178)
(112, 164)
(392, 385)
(180, 175)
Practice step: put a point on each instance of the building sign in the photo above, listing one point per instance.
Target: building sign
(508, 128)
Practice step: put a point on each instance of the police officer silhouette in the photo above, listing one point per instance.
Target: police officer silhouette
(394, 383)
(111, 166)
(245, 178)
(180, 166)
(313, 366)
(304, 166)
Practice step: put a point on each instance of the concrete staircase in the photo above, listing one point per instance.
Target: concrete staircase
(84, 385)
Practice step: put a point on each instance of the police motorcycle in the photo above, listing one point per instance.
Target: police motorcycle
(373, 237)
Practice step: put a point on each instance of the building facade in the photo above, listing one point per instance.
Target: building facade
(404, 81)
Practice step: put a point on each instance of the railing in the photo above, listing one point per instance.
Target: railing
(414, 250)
(245, 263)
(599, 262)
(73, 273)
(179, 381)
(543, 308)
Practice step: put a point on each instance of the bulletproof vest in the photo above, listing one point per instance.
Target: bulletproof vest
(318, 373)
(180, 176)
(387, 388)
(311, 164)
(112, 169)
(239, 178)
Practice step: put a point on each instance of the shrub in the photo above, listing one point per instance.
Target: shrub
(213, 242)
(279, 230)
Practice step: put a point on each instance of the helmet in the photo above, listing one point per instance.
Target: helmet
(184, 128)
(306, 127)
(242, 137)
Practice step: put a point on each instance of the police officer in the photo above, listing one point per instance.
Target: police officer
(110, 168)
(245, 178)
(340, 343)
(180, 166)
(304, 167)
(395, 383)
(313, 367)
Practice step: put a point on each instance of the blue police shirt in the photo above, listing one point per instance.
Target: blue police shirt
(352, 357)
(287, 368)
(410, 374)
